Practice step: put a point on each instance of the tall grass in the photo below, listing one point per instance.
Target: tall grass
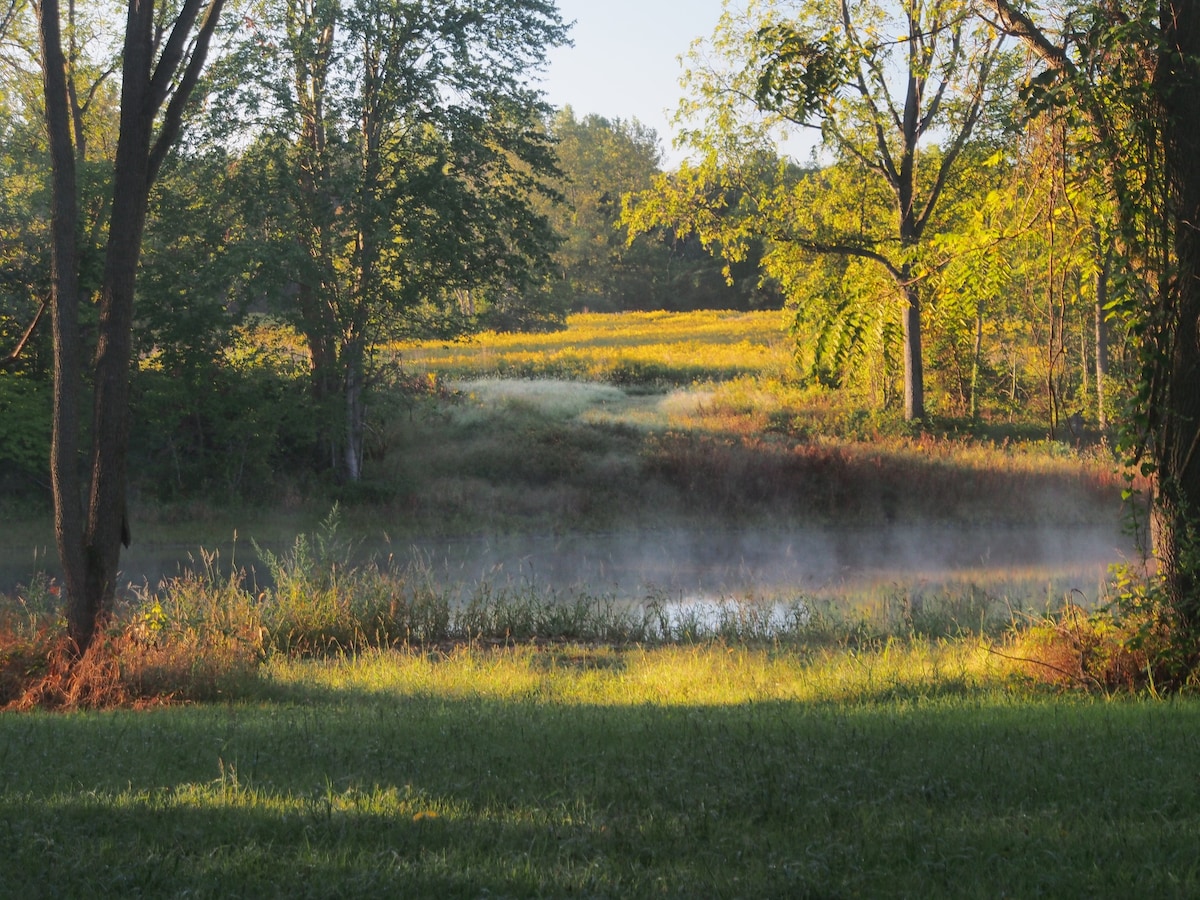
(205, 633)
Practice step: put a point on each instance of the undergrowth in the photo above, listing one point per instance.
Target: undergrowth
(1131, 644)
(205, 633)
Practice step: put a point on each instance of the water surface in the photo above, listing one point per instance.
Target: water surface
(696, 564)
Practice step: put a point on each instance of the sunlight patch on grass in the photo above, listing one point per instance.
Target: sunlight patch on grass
(625, 348)
(701, 675)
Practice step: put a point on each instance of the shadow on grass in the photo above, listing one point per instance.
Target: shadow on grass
(326, 792)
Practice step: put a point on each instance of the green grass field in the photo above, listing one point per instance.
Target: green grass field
(714, 772)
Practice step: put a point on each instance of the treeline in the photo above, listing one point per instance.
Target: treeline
(360, 173)
(372, 171)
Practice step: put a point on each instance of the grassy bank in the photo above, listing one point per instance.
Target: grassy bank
(649, 419)
(679, 772)
(642, 421)
(630, 423)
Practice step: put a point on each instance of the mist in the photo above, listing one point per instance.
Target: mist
(687, 565)
(826, 561)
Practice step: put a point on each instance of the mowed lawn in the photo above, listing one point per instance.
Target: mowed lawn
(711, 771)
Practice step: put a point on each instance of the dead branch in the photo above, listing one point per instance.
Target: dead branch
(11, 360)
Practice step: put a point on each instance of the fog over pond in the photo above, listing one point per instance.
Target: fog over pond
(830, 561)
(689, 565)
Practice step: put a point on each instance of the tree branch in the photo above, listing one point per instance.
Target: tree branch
(1016, 23)
(836, 249)
(11, 360)
(960, 140)
(172, 54)
(173, 119)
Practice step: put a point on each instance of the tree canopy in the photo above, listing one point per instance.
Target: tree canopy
(899, 92)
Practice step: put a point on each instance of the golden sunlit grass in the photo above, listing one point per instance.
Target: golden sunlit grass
(699, 675)
(629, 348)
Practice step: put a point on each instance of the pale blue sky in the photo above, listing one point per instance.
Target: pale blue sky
(624, 63)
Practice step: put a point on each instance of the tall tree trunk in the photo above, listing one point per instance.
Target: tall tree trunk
(355, 412)
(914, 372)
(64, 278)
(976, 358)
(107, 522)
(1176, 511)
(318, 326)
(90, 549)
(1102, 275)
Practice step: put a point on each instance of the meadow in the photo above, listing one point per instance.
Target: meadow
(650, 420)
(715, 771)
(352, 724)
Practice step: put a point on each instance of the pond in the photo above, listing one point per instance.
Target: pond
(1024, 563)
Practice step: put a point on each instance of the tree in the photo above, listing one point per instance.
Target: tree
(602, 160)
(1018, 275)
(882, 80)
(398, 169)
(161, 62)
(1130, 73)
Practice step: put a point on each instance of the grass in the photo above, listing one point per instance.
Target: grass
(649, 350)
(639, 422)
(702, 771)
(557, 456)
(360, 728)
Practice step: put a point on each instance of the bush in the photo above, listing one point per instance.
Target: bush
(230, 429)
(25, 409)
(194, 638)
(1134, 643)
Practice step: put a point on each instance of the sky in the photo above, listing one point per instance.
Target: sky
(625, 62)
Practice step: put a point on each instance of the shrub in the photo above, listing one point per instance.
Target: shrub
(1077, 648)
(229, 429)
(195, 638)
(25, 410)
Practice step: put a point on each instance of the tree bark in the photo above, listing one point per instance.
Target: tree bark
(1102, 274)
(64, 298)
(89, 549)
(107, 523)
(976, 359)
(914, 371)
(1176, 510)
(355, 413)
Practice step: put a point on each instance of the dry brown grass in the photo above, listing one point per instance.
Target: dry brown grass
(729, 474)
(1091, 650)
(120, 669)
